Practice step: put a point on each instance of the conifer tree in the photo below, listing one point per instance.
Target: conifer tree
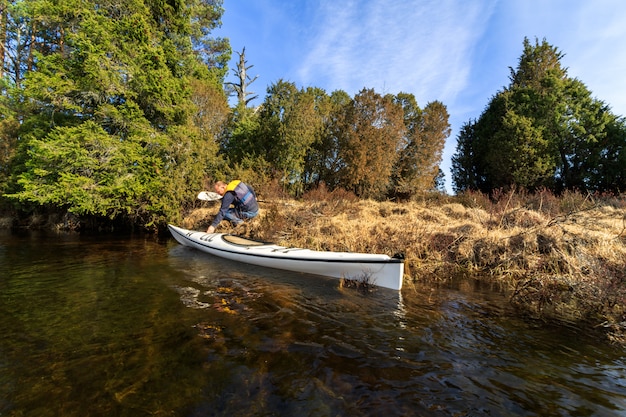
(110, 94)
(370, 134)
(289, 123)
(543, 130)
(418, 162)
(323, 162)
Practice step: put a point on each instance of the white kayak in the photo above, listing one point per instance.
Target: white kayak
(381, 270)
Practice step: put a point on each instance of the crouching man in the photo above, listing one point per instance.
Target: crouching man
(241, 197)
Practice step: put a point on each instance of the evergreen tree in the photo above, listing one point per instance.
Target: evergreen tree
(289, 124)
(606, 162)
(119, 116)
(370, 134)
(323, 162)
(9, 127)
(440, 182)
(240, 138)
(543, 130)
(465, 168)
(418, 162)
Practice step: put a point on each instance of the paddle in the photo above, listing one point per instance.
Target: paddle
(209, 196)
(213, 196)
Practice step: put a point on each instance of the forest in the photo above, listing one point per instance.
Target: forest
(117, 112)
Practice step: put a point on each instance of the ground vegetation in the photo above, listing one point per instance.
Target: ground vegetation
(559, 259)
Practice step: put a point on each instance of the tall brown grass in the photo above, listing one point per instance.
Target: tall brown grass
(559, 258)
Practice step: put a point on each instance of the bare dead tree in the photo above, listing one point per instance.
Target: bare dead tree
(240, 88)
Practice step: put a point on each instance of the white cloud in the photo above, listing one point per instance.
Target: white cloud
(590, 34)
(420, 47)
(596, 56)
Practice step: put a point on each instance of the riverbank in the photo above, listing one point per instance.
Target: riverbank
(558, 259)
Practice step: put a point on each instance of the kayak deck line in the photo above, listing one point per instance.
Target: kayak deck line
(377, 269)
(349, 257)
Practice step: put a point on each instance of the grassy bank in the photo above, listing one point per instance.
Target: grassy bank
(559, 259)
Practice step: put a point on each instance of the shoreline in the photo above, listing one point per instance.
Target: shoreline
(563, 267)
(559, 260)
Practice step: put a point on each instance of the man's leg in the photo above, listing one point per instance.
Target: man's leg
(233, 217)
(236, 217)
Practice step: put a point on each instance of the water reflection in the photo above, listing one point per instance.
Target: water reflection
(87, 329)
(129, 326)
(423, 352)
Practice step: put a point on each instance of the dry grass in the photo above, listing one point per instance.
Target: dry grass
(560, 258)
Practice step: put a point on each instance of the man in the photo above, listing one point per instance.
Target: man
(243, 200)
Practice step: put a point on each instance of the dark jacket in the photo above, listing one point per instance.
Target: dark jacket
(241, 196)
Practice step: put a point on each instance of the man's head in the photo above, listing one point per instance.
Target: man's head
(220, 187)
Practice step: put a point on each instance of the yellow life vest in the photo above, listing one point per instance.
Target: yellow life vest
(232, 185)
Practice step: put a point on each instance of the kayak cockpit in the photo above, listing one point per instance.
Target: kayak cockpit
(241, 241)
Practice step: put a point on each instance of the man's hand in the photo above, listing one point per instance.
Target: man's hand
(211, 229)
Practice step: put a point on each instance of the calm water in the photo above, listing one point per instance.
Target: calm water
(131, 326)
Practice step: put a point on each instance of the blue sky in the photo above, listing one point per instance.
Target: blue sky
(455, 51)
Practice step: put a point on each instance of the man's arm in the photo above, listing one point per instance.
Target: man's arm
(227, 200)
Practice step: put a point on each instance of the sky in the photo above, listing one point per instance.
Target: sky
(458, 52)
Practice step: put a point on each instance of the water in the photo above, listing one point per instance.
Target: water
(131, 326)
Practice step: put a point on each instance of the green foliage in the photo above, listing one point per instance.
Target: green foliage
(305, 138)
(544, 130)
(288, 125)
(518, 152)
(210, 112)
(122, 115)
(120, 118)
(9, 126)
(607, 165)
(417, 168)
(465, 170)
(88, 172)
(255, 171)
(372, 131)
(240, 138)
(323, 161)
